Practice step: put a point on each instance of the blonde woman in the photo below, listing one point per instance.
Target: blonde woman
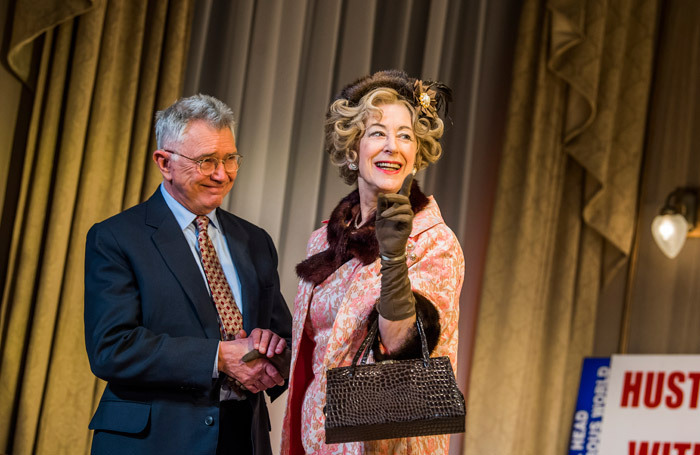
(384, 253)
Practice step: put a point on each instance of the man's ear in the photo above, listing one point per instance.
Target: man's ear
(163, 160)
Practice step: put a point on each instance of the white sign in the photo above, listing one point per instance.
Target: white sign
(652, 407)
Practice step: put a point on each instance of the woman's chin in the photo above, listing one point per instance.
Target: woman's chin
(383, 185)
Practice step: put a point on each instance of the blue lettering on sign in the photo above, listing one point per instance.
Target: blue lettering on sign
(585, 429)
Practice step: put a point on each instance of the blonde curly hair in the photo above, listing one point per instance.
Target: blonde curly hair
(345, 126)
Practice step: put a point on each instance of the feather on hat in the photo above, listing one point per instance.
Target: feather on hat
(411, 89)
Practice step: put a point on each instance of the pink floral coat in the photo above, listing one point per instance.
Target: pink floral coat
(436, 270)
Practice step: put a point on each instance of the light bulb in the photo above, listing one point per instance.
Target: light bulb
(666, 229)
(669, 232)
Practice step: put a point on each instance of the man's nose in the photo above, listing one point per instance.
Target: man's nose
(219, 173)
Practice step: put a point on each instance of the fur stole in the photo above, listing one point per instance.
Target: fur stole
(346, 242)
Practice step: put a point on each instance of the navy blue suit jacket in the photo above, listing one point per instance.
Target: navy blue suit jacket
(151, 330)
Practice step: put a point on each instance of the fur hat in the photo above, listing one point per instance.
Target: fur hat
(428, 97)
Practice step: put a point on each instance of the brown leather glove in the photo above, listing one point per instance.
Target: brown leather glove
(393, 226)
(280, 361)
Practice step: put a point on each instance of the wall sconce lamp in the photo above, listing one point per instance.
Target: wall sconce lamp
(676, 221)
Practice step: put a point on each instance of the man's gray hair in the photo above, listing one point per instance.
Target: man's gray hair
(172, 122)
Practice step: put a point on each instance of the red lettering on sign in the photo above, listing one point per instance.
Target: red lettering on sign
(695, 378)
(662, 448)
(631, 388)
(675, 398)
(643, 448)
(681, 447)
(649, 401)
(660, 388)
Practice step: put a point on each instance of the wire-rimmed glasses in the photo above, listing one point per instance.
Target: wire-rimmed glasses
(208, 165)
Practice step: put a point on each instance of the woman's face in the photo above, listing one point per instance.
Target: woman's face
(387, 151)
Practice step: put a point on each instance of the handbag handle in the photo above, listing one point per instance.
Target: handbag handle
(372, 334)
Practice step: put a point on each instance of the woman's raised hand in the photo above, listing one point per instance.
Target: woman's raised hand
(393, 227)
(394, 221)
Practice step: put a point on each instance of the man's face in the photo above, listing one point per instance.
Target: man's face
(198, 193)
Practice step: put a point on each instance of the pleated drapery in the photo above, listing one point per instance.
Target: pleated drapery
(564, 215)
(663, 314)
(98, 71)
(563, 194)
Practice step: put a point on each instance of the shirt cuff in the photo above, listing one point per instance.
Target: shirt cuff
(215, 373)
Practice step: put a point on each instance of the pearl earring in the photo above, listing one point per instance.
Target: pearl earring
(352, 166)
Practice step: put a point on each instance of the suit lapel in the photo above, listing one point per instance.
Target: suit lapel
(238, 245)
(172, 245)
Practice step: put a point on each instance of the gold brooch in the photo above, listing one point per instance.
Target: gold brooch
(425, 98)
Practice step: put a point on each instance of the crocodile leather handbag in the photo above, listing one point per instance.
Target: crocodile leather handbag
(393, 398)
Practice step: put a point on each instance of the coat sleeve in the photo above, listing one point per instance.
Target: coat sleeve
(120, 346)
(436, 271)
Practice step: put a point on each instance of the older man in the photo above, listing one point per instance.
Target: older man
(173, 287)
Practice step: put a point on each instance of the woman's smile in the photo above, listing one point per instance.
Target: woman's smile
(387, 151)
(389, 167)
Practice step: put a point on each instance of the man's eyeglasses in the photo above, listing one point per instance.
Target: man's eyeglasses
(208, 165)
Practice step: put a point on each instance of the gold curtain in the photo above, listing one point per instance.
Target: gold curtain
(98, 70)
(564, 215)
(663, 311)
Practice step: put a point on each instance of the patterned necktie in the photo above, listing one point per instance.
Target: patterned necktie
(230, 320)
